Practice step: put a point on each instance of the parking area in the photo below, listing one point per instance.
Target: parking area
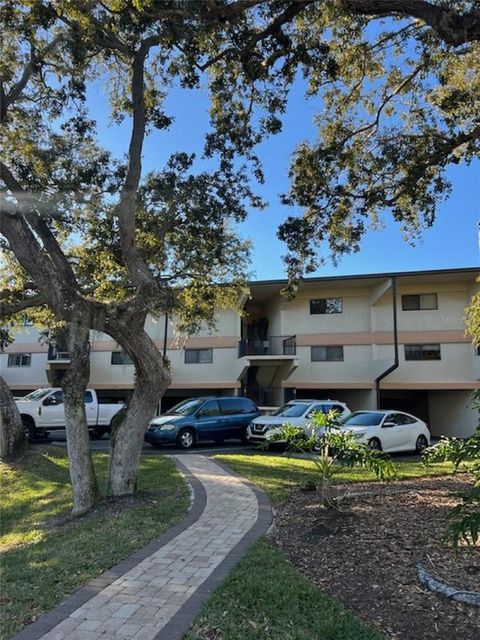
(58, 438)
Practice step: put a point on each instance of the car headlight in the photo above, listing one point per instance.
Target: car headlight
(168, 427)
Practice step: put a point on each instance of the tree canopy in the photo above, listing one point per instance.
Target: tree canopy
(99, 242)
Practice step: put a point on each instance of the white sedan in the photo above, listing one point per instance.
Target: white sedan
(389, 430)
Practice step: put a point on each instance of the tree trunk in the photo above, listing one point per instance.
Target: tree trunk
(152, 379)
(12, 433)
(82, 473)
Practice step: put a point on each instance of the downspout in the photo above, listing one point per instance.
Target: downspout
(164, 354)
(395, 342)
(165, 331)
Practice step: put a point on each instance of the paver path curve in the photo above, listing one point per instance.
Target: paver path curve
(157, 592)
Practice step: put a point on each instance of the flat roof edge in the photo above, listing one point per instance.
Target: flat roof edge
(365, 276)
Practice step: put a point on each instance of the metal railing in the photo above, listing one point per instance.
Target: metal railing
(269, 346)
(55, 354)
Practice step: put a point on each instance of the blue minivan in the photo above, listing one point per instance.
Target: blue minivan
(200, 419)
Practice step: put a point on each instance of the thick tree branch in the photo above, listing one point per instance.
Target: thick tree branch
(39, 226)
(11, 308)
(136, 266)
(452, 27)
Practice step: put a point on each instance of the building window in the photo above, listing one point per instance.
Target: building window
(420, 302)
(120, 357)
(198, 356)
(332, 353)
(422, 352)
(326, 305)
(19, 359)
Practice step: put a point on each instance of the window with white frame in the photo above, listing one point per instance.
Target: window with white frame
(19, 359)
(330, 353)
(198, 356)
(326, 306)
(422, 352)
(420, 302)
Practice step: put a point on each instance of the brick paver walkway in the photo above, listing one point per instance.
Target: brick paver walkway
(161, 595)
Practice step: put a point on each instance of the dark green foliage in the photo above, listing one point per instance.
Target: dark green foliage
(464, 518)
(330, 448)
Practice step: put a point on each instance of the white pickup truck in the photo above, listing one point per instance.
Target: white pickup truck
(43, 410)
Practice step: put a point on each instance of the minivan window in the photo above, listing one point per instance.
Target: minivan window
(210, 408)
(291, 410)
(364, 419)
(186, 408)
(232, 406)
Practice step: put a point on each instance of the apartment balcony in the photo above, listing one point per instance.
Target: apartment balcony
(57, 355)
(271, 346)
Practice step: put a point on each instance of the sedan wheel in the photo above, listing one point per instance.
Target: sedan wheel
(421, 444)
(374, 443)
(186, 439)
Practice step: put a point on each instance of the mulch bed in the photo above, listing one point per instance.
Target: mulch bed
(366, 554)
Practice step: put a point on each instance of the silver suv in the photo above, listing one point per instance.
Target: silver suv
(297, 413)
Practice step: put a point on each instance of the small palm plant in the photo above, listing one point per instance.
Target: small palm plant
(329, 448)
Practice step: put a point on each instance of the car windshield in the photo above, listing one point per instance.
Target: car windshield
(186, 408)
(36, 395)
(291, 410)
(361, 419)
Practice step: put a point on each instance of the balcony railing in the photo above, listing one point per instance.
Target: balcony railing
(55, 355)
(270, 346)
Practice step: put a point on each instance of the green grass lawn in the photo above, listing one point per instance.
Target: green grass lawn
(40, 564)
(265, 597)
(278, 475)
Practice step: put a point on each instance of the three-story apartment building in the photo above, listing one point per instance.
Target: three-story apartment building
(386, 340)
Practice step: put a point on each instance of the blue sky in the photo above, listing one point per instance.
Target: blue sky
(451, 242)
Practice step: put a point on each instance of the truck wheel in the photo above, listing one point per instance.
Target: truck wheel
(186, 439)
(96, 434)
(29, 428)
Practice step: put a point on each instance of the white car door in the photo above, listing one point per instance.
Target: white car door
(397, 436)
(90, 409)
(52, 411)
(391, 432)
(410, 431)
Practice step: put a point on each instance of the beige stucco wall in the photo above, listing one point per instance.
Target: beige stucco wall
(30, 377)
(356, 367)
(456, 364)
(451, 298)
(450, 414)
(355, 316)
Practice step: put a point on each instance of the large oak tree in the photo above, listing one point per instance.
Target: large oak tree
(101, 243)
